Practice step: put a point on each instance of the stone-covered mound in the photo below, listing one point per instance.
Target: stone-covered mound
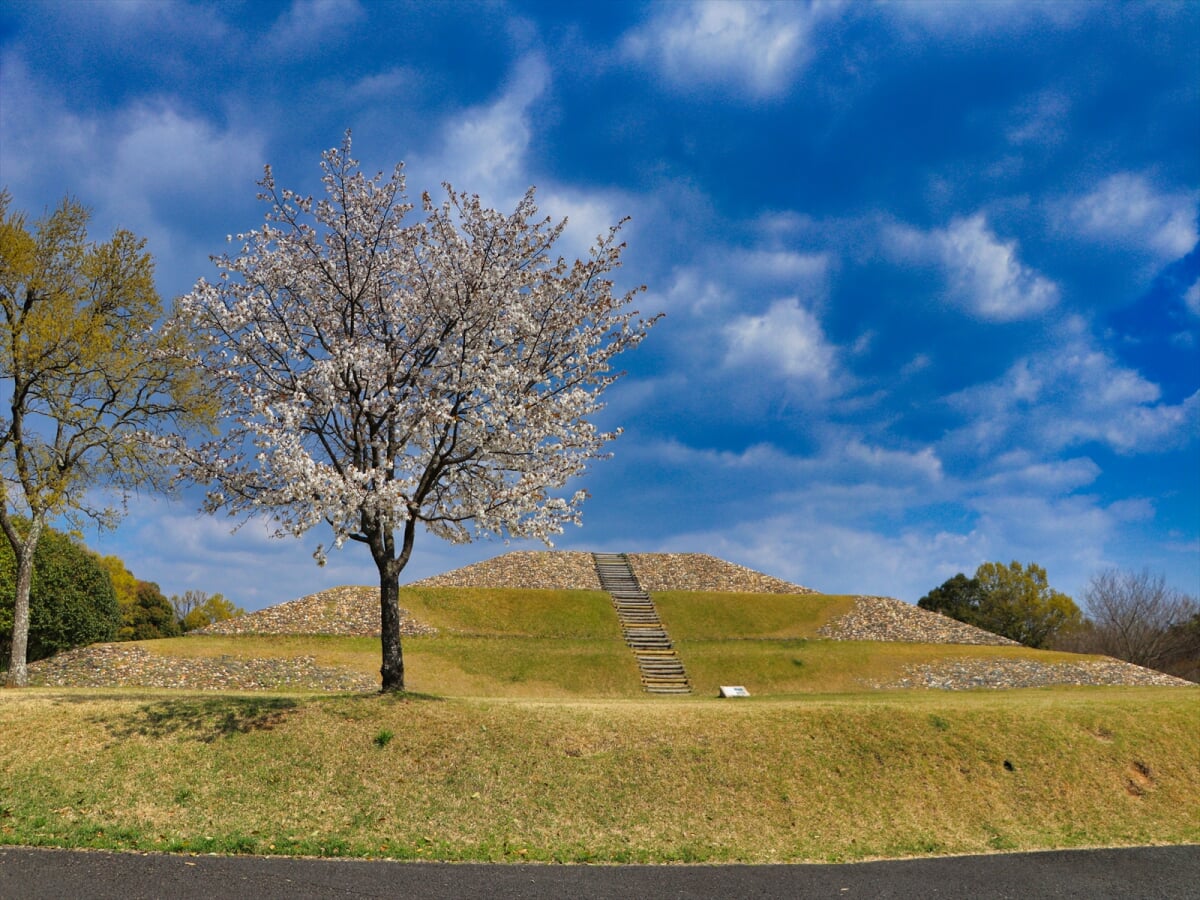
(999, 673)
(340, 610)
(566, 570)
(128, 665)
(885, 619)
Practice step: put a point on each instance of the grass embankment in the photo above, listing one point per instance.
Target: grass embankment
(491, 643)
(563, 644)
(824, 778)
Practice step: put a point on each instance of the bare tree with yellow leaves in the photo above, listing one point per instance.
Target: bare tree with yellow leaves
(86, 378)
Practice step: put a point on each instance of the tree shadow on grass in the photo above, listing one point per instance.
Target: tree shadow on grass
(203, 719)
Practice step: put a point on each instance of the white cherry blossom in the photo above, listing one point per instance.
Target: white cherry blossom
(382, 367)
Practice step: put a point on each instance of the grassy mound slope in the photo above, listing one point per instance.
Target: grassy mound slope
(826, 778)
(702, 615)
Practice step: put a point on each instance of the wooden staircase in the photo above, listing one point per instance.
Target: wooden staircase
(660, 667)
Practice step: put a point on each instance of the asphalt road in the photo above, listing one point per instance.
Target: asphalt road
(1151, 873)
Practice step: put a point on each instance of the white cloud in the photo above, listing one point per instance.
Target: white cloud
(757, 47)
(167, 23)
(954, 19)
(135, 167)
(1019, 471)
(844, 462)
(1065, 534)
(1073, 394)
(589, 215)
(160, 149)
(983, 272)
(483, 149)
(169, 542)
(838, 556)
(1191, 297)
(788, 339)
(1042, 120)
(1126, 211)
(309, 23)
(691, 291)
(384, 87)
(807, 272)
(857, 518)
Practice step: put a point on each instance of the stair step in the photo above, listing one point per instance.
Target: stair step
(659, 667)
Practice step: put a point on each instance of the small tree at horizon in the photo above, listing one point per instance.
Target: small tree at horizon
(197, 609)
(150, 616)
(1014, 601)
(1138, 617)
(378, 373)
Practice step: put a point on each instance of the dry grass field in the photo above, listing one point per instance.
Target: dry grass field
(844, 777)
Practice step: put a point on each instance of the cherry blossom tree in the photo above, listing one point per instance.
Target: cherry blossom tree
(379, 371)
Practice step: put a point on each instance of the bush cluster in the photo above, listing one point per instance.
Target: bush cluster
(71, 599)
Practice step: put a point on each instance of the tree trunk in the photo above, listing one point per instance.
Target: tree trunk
(381, 539)
(392, 670)
(18, 668)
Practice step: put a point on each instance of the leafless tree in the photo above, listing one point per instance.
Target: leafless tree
(1137, 617)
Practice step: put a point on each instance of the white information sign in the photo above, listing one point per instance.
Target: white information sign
(734, 690)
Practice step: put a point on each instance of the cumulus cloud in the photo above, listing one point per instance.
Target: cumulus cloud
(1072, 395)
(1191, 297)
(483, 149)
(807, 272)
(135, 167)
(169, 542)
(1019, 471)
(983, 272)
(589, 215)
(856, 517)
(1042, 120)
(161, 149)
(309, 23)
(955, 19)
(838, 555)
(755, 47)
(1126, 211)
(844, 462)
(787, 339)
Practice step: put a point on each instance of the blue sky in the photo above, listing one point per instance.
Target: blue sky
(931, 270)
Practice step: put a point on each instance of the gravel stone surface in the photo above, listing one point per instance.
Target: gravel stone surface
(701, 572)
(885, 619)
(553, 570)
(573, 570)
(972, 674)
(346, 610)
(127, 665)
